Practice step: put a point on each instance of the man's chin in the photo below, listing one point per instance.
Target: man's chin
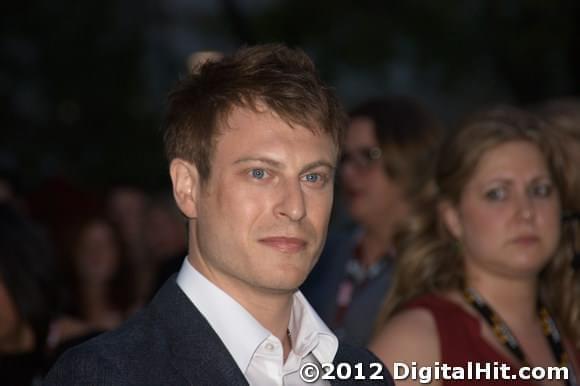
(287, 284)
(282, 291)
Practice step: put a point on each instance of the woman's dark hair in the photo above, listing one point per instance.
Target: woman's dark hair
(408, 134)
(121, 293)
(28, 271)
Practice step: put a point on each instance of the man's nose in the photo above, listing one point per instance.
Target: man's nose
(291, 203)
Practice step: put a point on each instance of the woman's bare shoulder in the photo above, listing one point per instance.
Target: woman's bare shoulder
(409, 336)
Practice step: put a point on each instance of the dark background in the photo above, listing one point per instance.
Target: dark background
(82, 83)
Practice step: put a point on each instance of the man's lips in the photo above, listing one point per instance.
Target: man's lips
(284, 244)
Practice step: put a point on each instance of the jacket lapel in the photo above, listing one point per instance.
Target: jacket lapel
(198, 352)
(200, 356)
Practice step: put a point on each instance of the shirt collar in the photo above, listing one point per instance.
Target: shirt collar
(220, 310)
(308, 332)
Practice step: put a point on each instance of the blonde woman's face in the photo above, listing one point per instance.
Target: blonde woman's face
(508, 219)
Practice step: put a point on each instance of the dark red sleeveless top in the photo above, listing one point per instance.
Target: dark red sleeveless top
(460, 340)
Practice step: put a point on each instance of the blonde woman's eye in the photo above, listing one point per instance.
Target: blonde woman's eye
(542, 190)
(496, 194)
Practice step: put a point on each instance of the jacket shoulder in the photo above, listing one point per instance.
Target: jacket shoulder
(84, 365)
(112, 358)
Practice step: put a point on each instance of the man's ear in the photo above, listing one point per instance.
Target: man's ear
(450, 216)
(185, 179)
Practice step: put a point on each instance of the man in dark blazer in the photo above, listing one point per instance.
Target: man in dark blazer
(252, 141)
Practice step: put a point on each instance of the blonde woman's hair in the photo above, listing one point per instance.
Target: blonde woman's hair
(564, 114)
(429, 260)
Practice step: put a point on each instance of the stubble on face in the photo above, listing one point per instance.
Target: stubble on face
(261, 223)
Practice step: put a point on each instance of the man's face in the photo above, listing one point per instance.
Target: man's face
(263, 213)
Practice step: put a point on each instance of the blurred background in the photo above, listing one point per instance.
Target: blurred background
(88, 226)
(83, 83)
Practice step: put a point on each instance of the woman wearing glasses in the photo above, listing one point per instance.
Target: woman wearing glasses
(388, 147)
(485, 271)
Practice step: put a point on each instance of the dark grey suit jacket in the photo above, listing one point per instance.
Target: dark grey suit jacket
(167, 343)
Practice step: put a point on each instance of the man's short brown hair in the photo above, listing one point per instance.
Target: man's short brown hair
(282, 79)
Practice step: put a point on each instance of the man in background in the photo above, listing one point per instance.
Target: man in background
(252, 141)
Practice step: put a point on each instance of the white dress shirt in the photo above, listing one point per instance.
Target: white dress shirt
(257, 352)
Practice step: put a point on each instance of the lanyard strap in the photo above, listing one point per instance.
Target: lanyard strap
(356, 277)
(507, 338)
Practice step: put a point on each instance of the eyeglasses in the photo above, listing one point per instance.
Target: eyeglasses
(362, 158)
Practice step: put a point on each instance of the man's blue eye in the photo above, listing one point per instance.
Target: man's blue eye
(315, 178)
(258, 173)
(312, 177)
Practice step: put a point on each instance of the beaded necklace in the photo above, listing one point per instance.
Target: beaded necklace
(507, 338)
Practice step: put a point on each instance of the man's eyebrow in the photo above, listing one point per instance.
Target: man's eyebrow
(316, 164)
(280, 165)
(268, 161)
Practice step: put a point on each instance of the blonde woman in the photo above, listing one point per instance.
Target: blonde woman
(485, 271)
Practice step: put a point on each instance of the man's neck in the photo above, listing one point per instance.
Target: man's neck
(270, 308)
